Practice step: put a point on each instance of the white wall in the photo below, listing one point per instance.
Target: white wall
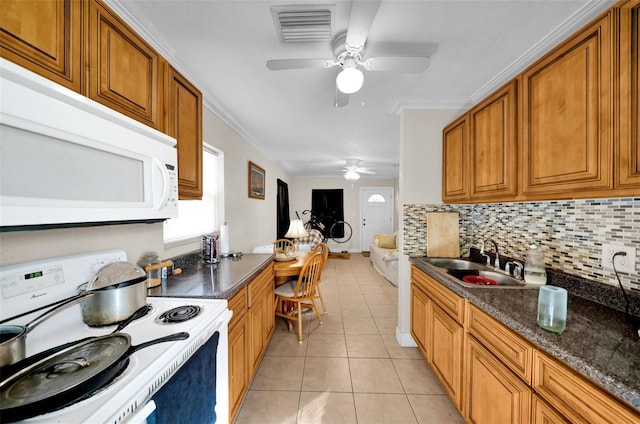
(420, 182)
(300, 199)
(252, 222)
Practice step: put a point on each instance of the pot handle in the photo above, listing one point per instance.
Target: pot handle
(170, 338)
(69, 302)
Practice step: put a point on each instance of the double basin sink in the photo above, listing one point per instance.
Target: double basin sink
(475, 274)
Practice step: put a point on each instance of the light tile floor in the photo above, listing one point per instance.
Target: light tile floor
(349, 369)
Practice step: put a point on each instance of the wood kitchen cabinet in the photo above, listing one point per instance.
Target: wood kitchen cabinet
(575, 397)
(493, 374)
(184, 122)
(441, 330)
(239, 375)
(261, 315)
(250, 330)
(627, 151)
(542, 413)
(446, 352)
(44, 37)
(420, 305)
(566, 117)
(455, 161)
(493, 146)
(123, 70)
(493, 393)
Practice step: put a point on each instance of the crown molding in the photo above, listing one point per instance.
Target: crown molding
(568, 27)
(208, 100)
(423, 102)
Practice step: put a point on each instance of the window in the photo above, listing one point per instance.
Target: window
(376, 198)
(197, 217)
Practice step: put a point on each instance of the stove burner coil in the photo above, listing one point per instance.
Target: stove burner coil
(179, 314)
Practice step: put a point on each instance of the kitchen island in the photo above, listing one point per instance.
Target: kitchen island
(598, 342)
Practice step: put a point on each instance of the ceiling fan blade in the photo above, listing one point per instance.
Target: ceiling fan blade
(364, 171)
(362, 15)
(342, 99)
(284, 64)
(412, 65)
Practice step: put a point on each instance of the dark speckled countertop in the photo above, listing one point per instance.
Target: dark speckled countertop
(598, 342)
(218, 281)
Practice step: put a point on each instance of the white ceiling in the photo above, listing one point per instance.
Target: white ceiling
(222, 47)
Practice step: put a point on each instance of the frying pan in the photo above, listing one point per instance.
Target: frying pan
(13, 338)
(69, 375)
(9, 370)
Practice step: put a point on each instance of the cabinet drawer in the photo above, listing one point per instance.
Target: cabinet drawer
(238, 305)
(510, 348)
(575, 397)
(450, 302)
(259, 284)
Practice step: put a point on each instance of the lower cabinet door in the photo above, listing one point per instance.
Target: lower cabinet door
(542, 413)
(493, 393)
(419, 308)
(238, 366)
(446, 352)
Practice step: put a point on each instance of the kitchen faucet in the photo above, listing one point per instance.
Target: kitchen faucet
(496, 263)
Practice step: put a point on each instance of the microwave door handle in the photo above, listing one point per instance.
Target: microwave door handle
(165, 183)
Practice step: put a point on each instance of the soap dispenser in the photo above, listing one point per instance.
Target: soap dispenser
(534, 271)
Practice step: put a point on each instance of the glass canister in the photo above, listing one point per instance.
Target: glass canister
(534, 269)
(153, 276)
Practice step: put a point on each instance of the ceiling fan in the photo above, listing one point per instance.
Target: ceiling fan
(349, 54)
(353, 170)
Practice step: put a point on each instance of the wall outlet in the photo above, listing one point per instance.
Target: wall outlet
(623, 263)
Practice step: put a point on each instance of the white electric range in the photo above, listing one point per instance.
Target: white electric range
(129, 397)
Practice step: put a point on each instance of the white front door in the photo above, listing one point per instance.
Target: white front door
(376, 210)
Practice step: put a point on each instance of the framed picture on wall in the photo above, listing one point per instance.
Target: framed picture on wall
(256, 181)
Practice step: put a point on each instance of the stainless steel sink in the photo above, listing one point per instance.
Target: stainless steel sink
(460, 268)
(453, 263)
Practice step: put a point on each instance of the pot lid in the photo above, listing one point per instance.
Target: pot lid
(63, 371)
(117, 274)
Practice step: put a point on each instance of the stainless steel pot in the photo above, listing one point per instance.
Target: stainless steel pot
(119, 289)
(13, 338)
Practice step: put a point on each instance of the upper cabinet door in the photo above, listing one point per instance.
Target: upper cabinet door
(566, 117)
(44, 37)
(123, 68)
(455, 158)
(627, 144)
(493, 160)
(184, 123)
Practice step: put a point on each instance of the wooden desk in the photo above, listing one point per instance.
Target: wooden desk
(285, 270)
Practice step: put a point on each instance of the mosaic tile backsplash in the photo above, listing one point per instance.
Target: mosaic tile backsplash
(571, 232)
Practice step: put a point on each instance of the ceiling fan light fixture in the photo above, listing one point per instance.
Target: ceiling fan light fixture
(350, 79)
(351, 175)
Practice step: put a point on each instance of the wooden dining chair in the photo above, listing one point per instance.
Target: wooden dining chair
(283, 246)
(323, 249)
(296, 295)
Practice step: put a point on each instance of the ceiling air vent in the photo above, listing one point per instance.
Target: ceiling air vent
(303, 23)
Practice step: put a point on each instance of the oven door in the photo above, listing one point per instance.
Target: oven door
(190, 395)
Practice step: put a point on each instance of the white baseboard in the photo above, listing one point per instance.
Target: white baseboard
(405, 339)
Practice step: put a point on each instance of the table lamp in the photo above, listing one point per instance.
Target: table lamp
(296, 230)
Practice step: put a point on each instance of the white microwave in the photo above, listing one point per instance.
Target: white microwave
(66, 159)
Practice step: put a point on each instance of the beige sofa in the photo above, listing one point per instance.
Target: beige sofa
(384, 256)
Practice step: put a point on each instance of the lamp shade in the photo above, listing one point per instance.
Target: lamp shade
(350, 80)
(296, 229)
(351, 175)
